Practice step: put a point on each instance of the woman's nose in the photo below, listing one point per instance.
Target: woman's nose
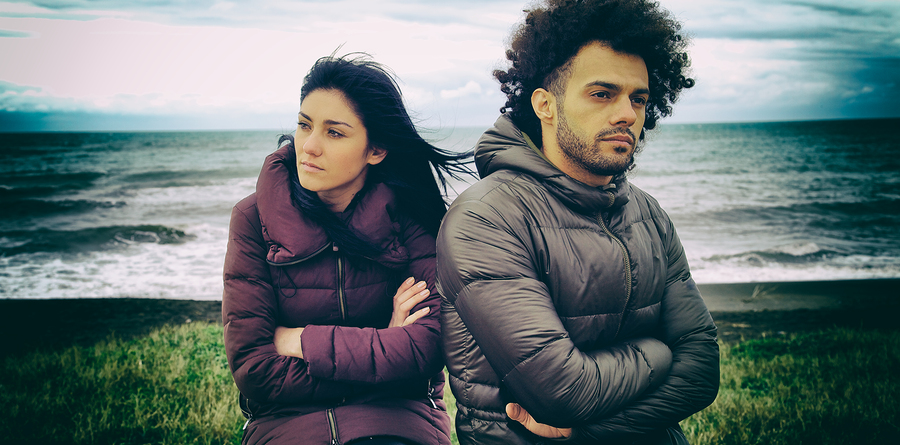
(311, 145)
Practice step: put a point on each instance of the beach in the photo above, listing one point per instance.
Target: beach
(742, 311)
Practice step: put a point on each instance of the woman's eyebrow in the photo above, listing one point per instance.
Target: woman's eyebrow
(327, 121)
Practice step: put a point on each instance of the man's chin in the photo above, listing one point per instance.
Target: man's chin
(612, 168)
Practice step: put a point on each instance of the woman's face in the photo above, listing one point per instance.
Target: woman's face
(332, 146)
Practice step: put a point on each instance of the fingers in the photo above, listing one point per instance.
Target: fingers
(516, 412)
(404, 286)
(415, 316)
(415, 299)
(408, 289)
(408, 296)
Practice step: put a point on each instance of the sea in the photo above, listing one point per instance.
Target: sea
(145, 214)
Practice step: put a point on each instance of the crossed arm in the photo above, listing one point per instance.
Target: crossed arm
(264, 357)
(638, 385)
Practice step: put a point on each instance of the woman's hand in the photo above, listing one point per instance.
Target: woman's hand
(407, 297)
(287, 341)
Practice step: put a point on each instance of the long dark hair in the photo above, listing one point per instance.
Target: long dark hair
(415, 169)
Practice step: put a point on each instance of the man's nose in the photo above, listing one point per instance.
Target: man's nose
(624, 114)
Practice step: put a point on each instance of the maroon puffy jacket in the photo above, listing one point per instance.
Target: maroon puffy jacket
(358, 378)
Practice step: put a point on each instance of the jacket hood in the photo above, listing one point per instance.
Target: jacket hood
(292, 237)
(504, 147)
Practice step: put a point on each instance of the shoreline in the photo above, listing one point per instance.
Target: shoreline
(742, 311)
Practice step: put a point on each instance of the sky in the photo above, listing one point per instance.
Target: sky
(99, 65)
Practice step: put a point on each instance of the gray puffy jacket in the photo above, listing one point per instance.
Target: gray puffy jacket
(574, 301)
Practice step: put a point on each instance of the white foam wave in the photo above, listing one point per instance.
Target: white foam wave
(181, 271)
(740, 270)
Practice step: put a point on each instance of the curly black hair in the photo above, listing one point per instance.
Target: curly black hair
(542, 48)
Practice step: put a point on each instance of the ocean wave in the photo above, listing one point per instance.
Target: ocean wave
(797, 253)
(881, 211)
(838, 268)
(181, 178)
(38, 207)
(190, 270)
(87, 240)
(32, 184)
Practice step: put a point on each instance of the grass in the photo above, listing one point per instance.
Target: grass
(172, 386)
(837, 386)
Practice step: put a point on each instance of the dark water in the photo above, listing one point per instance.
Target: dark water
(781, 201)
(146, 214)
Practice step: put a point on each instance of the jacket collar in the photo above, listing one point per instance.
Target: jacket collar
(505, 147)
(293, 238)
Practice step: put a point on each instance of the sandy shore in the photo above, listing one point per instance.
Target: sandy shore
(742, 311)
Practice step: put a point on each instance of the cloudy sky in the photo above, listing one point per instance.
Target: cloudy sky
(205, 64)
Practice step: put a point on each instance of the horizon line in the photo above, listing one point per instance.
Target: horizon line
(421, 128)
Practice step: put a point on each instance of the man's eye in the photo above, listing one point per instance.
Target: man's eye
(640, 100)
(601, 94)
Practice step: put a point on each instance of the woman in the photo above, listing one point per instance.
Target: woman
(332, 326)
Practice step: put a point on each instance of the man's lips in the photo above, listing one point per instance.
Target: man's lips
(623, 138)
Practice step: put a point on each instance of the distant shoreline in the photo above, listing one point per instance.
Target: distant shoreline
(793, 295)
(741, 310)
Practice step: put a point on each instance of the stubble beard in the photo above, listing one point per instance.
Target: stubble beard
(589, 156)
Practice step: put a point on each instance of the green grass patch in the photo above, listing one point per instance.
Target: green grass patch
(173, 386)
(837, 386)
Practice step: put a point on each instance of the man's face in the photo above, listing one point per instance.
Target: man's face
(602, 112)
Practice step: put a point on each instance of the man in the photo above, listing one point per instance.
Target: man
(568, 309)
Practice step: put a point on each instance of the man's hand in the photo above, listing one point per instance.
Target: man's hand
(407, 297)
(287, 341)
(517, 413)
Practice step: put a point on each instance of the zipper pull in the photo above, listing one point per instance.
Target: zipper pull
(334, 247)
(431, 395)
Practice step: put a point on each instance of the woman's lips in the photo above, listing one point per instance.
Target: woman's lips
(310, 167)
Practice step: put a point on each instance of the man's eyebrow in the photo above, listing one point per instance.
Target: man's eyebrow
(327, 121)
(615, 87)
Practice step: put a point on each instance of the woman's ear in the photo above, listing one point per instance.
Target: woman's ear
(376, 155)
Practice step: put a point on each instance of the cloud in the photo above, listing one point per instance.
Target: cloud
(112, 64)
(469, 88)
(789, 60)
(753, 60)
(279, 14)
(15, 34)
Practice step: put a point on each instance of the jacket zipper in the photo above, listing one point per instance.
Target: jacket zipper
(627, 270)
(291, 263)
(332, 425)
(340, 285)
(244, 404)
(431, 395)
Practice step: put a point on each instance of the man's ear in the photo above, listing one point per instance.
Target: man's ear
(376, 154)
(544, 104)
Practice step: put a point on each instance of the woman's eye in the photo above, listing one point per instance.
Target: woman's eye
(334, 133)
(303, 125)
